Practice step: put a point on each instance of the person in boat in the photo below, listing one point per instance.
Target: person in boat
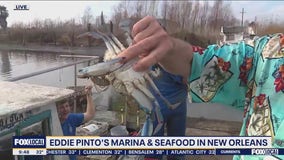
(69, 121)
(248, 74)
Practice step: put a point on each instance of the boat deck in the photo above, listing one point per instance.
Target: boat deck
(206, 127)
(17, 97)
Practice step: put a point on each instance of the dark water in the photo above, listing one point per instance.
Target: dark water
(18, 63)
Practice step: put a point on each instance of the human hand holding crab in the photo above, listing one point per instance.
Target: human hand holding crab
(120, 74)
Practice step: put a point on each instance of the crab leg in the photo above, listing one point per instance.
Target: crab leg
(160, 119)
(116, 49)
(97, 35)
(117, 41)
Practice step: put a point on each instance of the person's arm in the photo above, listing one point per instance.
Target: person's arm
(90, 112)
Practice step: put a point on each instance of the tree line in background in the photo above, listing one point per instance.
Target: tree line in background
(194, 21)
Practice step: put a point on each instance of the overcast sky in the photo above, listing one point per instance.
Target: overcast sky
(65, 10)
(261, 9)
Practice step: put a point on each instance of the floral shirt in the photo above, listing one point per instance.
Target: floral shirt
(248, 75)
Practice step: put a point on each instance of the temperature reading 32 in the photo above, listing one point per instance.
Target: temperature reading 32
(118, 152)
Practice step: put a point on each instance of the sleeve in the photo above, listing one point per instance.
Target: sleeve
(76, 119)
(222, 73)
(264, 114)
(269, 91)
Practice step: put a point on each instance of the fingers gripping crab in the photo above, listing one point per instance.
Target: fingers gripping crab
(126, 81)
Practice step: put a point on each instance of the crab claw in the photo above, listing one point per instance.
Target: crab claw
(101, 68)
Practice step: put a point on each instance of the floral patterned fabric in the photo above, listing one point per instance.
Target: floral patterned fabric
(248, 75)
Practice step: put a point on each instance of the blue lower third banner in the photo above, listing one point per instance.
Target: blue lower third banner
(40, 151)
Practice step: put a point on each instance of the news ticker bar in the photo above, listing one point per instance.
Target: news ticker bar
(40, 151)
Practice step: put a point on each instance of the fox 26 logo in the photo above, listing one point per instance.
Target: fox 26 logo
(270, 151)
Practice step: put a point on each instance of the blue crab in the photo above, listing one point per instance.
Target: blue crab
(126, 81)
